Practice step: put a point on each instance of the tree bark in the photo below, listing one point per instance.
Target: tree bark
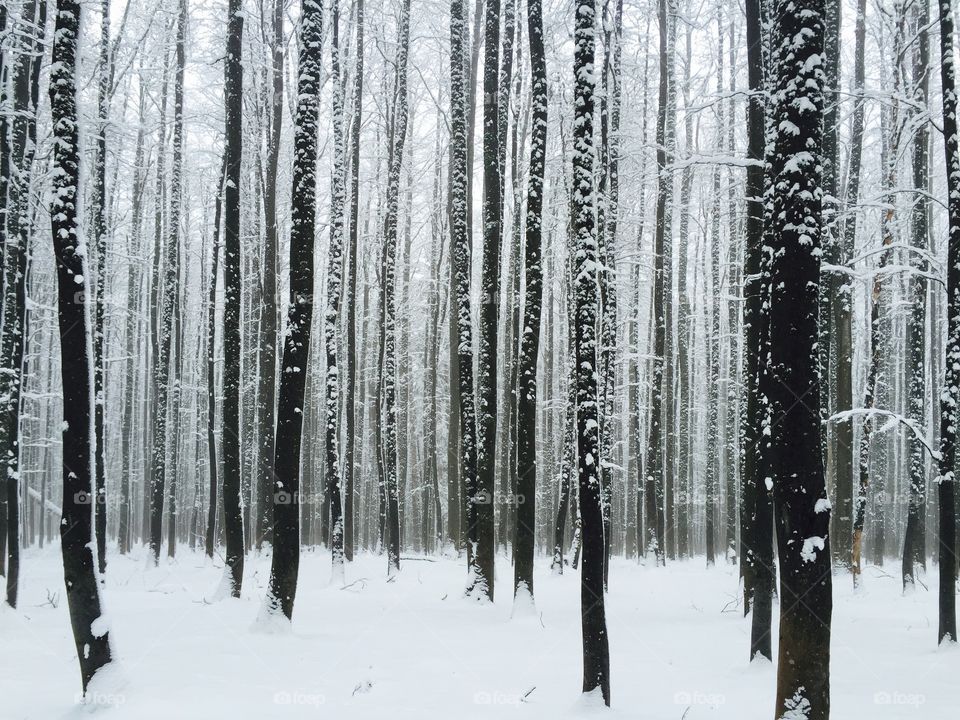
(530, 343)
(947, 546)
(285, 563)
(76, 345)
(596, 652)
(794, 451)
(232, 284)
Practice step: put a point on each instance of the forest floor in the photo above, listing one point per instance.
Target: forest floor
(415, 648)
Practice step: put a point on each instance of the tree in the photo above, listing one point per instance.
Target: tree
(334, 291)
(398, 136)
(285, 564)
(947, 546)
(267, 387)
(480, 531)
(843, 321)
(91, 636)
(19, 231)
(914, 541)
(530, 342)
(596, 651)
(100, 288)
(460, 253)
(210, 536)
(655, 469)
(169, 307)
(793, 453)
(350, 475)
(232, 284)
(756, 512)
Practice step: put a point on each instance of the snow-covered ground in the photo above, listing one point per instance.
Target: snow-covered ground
(415, 648)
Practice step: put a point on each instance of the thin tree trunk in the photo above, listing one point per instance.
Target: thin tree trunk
(947, 625)
(232, 285)
(350, 472)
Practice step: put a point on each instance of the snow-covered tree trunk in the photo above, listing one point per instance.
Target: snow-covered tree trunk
(334, 292)
(232, 285)
(756, 512)
(481, 525)
(90, 630)
(524, 545)
(914, 542)
(793, 455)
(296, 345)
(843, 321)
(596, 652)
(655, 468)
(99, 213)
(946, 477)
(267, 382)
(350, 473)
(460, 250)
(398, 137)
(19, 231)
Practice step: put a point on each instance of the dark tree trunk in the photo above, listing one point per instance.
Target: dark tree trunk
(947, 627)
(296, 345)
(76, 342)
(19, 232)
(232, 285)
(398, 137)
(794, 451)
(267, 385)
(914, 542)
(756, 513)
(655, 469)
(596, 652)
(481, 529)
(530, 344)
(460, 251)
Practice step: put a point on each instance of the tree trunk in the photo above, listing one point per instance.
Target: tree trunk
(947, 626)
(232, 285)
(756, 513)
(596, 652)
(76, 343)
(296, 345)
(334, 291)
(481, 529)
(350, 473)
(19, 232)
(398, 137)
(524, 545)
(460, 250)
(793, 453)
(655, 470)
